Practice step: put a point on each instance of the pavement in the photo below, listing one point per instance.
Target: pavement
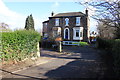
(73, 62)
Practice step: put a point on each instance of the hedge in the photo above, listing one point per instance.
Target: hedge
(113, 48)
(19, 45)
(116, 56)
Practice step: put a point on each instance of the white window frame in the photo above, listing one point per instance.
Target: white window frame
(78, 21)
(68, 33)
(57, 32)
(57, 21)
(66, 21)
(74, 33)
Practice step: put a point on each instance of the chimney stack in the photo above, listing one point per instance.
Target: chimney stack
(86, 12)
(52, 13)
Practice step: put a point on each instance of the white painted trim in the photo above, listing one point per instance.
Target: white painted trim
(57, 21)
(74, 33)
(66, 19)
(71, 43)
(79, 21)
(68, 33)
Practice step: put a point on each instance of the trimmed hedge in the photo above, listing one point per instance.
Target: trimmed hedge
(113, 48)
(105, 43)
(116, 56)
(19, 45)
(83, 44)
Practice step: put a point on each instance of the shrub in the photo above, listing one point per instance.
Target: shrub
(113, 48)
(83, 44)
(105, 43)
(116, 56)
(19, 44)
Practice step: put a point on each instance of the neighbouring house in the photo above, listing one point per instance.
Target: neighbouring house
(71, 27)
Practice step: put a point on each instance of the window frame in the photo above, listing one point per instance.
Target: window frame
(80, 37)
(78, 21)
(66, 21)
(57, 21)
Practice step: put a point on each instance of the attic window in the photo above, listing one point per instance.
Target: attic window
(77, 21)
(57, 22)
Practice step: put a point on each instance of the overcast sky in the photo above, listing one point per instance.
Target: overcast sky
(14, 12)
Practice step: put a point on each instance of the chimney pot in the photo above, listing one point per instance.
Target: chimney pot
(86, 12)
(52, 13)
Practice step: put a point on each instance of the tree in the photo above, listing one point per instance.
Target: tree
(107, 12)
(4, 27)
(105, 31)
(29, 24)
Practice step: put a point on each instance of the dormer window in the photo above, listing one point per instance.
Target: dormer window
(57, 22)
(66, 21)
(77, 21)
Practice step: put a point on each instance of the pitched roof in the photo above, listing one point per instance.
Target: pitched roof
(69, 14)
(46, 21)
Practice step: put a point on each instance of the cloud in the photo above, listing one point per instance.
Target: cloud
(15, 20)
(12, 18)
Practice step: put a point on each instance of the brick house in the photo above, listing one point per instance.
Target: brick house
(71, 27)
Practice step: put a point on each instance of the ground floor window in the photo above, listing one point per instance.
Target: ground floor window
(77, 33)
(56, 32)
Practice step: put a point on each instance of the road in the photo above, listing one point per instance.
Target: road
(73, 62)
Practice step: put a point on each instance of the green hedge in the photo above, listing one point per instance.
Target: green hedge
(19, 45)
(83, 44)
(105, 43)
(116, 56)
(113, 48)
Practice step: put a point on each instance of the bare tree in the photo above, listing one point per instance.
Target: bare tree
(4, 27)
(105, 31)
(107, 12)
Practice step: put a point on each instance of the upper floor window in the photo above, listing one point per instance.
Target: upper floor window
(66, 21)
(46, 24)
(57, 22)
(77, 21)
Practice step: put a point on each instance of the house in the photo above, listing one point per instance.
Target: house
(71, 27)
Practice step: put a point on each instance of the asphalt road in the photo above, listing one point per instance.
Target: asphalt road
(73, 62)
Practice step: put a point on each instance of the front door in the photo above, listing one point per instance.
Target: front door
(66, 33)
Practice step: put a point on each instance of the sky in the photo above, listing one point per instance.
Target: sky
(15, 12)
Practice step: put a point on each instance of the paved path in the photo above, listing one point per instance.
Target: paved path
(73, 62)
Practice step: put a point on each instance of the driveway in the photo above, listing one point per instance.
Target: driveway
(73, 62)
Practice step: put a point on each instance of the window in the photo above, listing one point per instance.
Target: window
(81, 34)
(77, 33)
(45, 27)
(77, 21)
(66, 21)
(57, 22)
(56, 32)
(45, 24)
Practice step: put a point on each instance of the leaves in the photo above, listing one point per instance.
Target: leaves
(19, 44)
(29, 25)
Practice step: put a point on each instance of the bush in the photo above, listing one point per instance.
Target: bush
(83, 44)
(105, 43)
(116, 56)
(19, 44)
(113, 48)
